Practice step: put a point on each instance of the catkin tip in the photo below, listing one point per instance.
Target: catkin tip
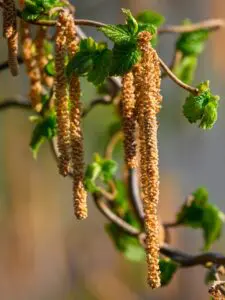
(80, 201)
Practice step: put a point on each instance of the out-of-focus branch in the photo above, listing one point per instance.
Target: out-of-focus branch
(104, 100)
(15, 102)
(211, 24)
(4, 65)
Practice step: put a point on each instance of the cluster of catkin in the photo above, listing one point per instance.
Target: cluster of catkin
(140, 104)
(68, 109)
(35, 60)
(11, 34)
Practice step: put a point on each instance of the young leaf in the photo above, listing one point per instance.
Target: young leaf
(100, 168)
(92, 60)
(123, 58)
(197, 212)
(167, 270)
(192, 43)
(132, 24)
(50, 68)
(119, 34)
(202, 108)
(92, 173)
(126, 244)
(45, 129)
(150, 17)
(185, 69)
(100, 69)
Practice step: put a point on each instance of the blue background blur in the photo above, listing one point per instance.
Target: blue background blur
(44, 252)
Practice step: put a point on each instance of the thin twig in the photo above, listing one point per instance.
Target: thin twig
(188, 260)
(134, 194)
(105, 100)
(211, 24)
(183, 85)
(102, 206)
(15, 102)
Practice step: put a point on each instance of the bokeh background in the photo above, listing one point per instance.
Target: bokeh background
(45, 253)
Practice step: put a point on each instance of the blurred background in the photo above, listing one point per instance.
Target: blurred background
(45, 253)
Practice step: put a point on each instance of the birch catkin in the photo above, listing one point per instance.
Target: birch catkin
(76, 136)
(63, 121)
(31, 64)
(11, 34)
(41, 56)
(147, 85)
(129, 120)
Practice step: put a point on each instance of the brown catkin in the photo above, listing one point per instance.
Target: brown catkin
(31, 64)
(11, 34)
(216, 293)
(41, 56)
(129, 120)
(63, 122)
(76, 136)
(147, 92)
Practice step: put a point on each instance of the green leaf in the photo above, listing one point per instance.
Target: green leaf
(123, 58)
(92, 173)
(202, 108)
(150, 17)
(192, 43)
(117, 33)
(92, 60)
(209, 116)
(131, 21)
(100, 68)
(126, 244)
(210, 276)
(185, 68)
(108, 169)
(50, 68)
(167, 269)
(100, 168)
(45, 129)
(197, 212)
(34, 9)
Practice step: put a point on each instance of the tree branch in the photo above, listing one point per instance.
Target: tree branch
(111, 216)
(104, 100)
(183, 85)
(4, 65)
(211, 24)
(15, 102)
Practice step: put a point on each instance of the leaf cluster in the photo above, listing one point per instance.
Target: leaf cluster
(45, 129)
(197, 212)
(99, 171)
(96, 61)
(189, 45)
(35, 9)
(203, 107)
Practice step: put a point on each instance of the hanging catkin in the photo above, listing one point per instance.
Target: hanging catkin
(76, 136)
(147, 91)
(129, 120)
(33, 71)
(62, 111)
(11, 34)
(41, 56)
